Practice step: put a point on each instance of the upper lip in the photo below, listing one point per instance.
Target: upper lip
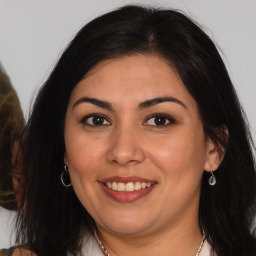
(126, 179)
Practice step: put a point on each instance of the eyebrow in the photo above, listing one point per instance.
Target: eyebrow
(142, 105)
(99, 103)
(155, 101)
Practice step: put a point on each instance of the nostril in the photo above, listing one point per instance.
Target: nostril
(124, 162)
(125, 150)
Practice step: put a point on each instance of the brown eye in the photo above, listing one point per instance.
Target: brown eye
(159, 120)
(95, 120)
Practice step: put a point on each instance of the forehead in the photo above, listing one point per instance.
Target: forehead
(132, 78)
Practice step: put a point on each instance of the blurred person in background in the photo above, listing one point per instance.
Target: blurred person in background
(11, 127)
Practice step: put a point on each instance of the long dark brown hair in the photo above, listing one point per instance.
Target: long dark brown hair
(52, 218)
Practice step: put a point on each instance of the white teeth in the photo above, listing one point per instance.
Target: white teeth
(149, 185)
(114, 186)
(120, 186)
(143, 185)
(137, 186)
(128, 187)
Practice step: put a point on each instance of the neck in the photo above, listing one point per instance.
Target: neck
(176, 242)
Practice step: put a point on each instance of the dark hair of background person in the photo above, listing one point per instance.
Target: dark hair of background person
(52, 218)
(11, 127)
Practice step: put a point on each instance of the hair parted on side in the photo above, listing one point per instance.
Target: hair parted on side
(52, 218)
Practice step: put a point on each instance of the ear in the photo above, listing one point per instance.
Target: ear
(65, 159)
(215, 151)
(212, 160)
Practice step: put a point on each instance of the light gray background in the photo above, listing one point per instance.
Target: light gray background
(33, 33)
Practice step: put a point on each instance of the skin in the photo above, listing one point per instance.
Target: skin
(127, 143)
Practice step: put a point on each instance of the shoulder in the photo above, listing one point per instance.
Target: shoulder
(16, 252)
(23, 252)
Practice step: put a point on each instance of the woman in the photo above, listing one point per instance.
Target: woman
(137, 145)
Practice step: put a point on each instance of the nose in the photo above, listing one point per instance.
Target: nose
(126, 147)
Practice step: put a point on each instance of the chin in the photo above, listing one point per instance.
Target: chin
(127, 230)
(127, 225)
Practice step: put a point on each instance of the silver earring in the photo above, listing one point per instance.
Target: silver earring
(65, 173)
(212, 179)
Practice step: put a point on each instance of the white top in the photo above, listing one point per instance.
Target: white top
(7, 232)
(206, 250)
(91, 248)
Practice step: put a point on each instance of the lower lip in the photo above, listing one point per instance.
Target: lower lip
(126, 197)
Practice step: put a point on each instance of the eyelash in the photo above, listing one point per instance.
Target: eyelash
(165, 117)
(85, 119)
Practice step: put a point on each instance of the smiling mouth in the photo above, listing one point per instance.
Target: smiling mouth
(128, 187)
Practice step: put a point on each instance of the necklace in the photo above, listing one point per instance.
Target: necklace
(107, 254)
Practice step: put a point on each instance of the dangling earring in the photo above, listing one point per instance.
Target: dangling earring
(212, 179)
(65, 172)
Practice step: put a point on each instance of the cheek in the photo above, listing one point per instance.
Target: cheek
(83, 154)
(172, 159)
(180, 155)
(84, 159)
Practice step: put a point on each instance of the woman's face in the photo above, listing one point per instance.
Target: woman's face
(135, 146)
